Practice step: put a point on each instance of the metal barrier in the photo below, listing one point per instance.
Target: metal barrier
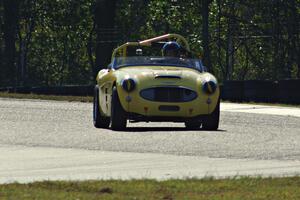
(289, 91)
(283, 91)
(232, 91)
(67, 90)
(260, 91)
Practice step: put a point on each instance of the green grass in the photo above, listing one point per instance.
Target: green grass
(46, 97)
(227, 189)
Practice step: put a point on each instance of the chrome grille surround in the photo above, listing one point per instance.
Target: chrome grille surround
(170, 94)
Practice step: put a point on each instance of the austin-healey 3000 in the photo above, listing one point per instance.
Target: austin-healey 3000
(158, 79)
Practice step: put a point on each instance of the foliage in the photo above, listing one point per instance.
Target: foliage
(53, 35)
(58, 54)
(257, 50)
(56, 41)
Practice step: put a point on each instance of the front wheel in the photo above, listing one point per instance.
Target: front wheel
(192, 124)
(118, 117)
(99, 120)
(212, 121)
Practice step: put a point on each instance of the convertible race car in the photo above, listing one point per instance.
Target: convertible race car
(158, 79)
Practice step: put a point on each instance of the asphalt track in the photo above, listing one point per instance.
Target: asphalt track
(50, 140)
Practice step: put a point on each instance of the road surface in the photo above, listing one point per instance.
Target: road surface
(51, 140)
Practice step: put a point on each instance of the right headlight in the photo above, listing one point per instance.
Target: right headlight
(209, 87)
(128, 84)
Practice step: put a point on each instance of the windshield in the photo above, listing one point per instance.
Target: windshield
(120, 62)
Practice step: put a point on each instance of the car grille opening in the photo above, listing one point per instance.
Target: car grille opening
(168, 94)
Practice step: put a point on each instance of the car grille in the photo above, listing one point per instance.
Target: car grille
(168, 94)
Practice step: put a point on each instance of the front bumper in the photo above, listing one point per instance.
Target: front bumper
(201, 106)
(134, 117)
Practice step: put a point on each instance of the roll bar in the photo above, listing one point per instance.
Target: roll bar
(123, 48)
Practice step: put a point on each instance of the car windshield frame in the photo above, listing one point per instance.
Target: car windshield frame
(191, 63)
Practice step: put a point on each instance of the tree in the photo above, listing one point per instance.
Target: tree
(26, 27)
(11, 14)
(105, 11)
(205, 33)
(1, 42)
(46, 42)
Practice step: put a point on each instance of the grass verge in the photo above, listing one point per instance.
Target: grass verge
(46, 97)
(227, 189)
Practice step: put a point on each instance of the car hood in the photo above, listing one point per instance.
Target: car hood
(163, 75)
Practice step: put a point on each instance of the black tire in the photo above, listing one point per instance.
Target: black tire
(99, 120)
(211, 123)
(118, 117)
(192, 124)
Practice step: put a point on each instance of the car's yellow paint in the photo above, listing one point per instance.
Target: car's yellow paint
(145, 78)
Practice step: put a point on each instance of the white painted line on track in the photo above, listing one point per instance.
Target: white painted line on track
(261, 109)
(28, 164)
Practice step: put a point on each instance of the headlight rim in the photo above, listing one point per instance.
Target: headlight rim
(128, 84)
(209, 87)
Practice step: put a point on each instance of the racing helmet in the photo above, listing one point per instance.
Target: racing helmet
(171, 49)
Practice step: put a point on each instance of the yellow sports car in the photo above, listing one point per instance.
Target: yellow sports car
(158, 79)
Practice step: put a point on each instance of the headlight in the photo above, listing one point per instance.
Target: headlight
(209, 87)
(128, 85)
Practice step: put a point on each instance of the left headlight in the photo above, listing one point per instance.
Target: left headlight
(128, 85)
(209, 87)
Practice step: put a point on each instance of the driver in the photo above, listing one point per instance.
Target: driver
(171, 49)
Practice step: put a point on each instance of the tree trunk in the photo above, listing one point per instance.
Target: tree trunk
(1, 50)
(290, 42)
(230, 53)
(221, 66)
(295, 32)
(90, 50)
(11, 10)
(24, 36)
(230, 44)
(105, 26)
(205, 34)
(279, 51)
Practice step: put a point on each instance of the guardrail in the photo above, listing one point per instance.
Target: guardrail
(67, 90)
(283, 91)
